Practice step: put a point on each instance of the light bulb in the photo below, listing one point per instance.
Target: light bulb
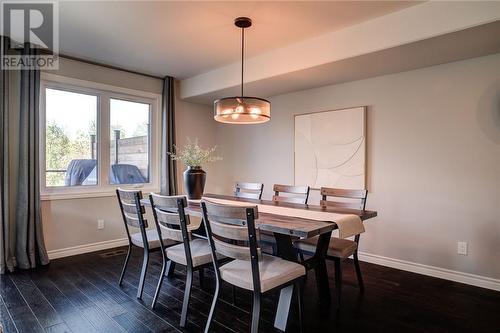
(235, 116)
(240, 109)
(255, 111)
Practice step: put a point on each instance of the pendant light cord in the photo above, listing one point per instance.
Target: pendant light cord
(242, 56)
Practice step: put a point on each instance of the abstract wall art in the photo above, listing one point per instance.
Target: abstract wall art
(330, 148)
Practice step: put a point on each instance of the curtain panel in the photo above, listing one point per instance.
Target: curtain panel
(168, 173)
(6, 241)
(22, 239)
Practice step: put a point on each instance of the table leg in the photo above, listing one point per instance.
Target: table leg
(283, 307)
(318, 263)
(321, 271)
(285, 251)
(322, 283)
(285, 247)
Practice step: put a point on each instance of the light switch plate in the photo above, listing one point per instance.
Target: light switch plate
(100, 224)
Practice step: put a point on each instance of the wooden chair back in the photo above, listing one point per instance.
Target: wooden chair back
(132, 209)
(231, 232)
(172, 221)
(350, 199)
(248, 190)
(299, 194)
(169, 215)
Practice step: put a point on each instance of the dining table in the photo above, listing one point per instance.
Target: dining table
(288, 222)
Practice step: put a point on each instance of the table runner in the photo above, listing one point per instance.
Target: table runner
(348, 224)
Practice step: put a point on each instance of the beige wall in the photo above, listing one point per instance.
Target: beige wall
(196, 121)
(433, 159)
(73, 222)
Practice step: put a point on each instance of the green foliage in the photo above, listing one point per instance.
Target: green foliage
(193, 155)
(57, 149)
(60, 150)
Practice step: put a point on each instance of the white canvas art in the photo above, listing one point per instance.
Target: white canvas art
(330, 149)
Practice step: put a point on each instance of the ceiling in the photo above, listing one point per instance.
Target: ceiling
(428, 34)
(184, 39)
(460, 45)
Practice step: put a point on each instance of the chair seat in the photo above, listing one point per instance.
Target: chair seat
(153, 239)
(338, 247)
(200, 252)
(273, 271)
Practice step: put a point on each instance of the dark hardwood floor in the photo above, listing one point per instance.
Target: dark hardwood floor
(80, 294)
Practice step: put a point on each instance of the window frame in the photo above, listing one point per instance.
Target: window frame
(104, 93)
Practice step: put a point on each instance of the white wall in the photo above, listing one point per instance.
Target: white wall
(73, 222)
(433, 159)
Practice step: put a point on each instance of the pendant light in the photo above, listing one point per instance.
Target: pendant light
(242, 109)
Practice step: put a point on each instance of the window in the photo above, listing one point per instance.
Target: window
(129, 148)
(70, 133)
(95, 138)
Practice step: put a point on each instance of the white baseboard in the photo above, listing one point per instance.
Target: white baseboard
(74, 250)
(442, 273)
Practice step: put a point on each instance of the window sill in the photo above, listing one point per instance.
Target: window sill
(88, 195)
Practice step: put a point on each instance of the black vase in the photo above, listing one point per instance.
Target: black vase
(194, 182)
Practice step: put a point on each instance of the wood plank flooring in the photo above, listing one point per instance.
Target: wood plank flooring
(81, 294)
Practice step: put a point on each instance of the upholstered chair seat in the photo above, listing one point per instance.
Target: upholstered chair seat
(153, 239)
(338, 247)
(273, 271)
(200, 252)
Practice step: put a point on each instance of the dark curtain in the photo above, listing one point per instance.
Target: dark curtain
(168, 173)
(25, 225)
(6, 250)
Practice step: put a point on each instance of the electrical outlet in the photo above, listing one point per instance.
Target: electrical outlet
(462, 248)
(100, 224)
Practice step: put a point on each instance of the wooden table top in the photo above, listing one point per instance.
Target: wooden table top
(363, 214)
(288, 225)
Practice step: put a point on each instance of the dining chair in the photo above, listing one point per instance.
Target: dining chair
(248, 190)
(295, 194)
(148, 239)
(193, 253)
(227, 227)
(339, 249)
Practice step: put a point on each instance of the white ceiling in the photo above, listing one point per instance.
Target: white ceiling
(430, 33)
(184, 39)
(464, 44)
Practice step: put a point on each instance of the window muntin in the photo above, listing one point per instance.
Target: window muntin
(70, 135)
(129, 142)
